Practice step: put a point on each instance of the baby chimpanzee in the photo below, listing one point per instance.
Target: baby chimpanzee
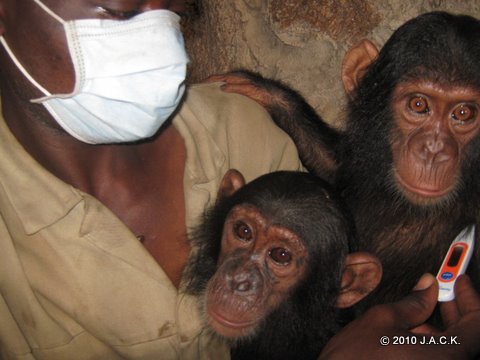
(272, 265)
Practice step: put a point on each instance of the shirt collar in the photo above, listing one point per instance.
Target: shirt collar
(39, 198)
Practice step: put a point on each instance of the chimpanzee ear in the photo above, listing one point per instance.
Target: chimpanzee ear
(356, 62)
(362, 273)
(231, 182)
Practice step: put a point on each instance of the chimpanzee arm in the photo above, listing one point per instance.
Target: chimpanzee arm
(316, 141)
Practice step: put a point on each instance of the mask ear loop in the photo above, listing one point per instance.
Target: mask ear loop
(22, 69)
(19, 64)
(74, 49)
(50, 12)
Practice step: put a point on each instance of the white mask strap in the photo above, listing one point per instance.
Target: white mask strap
(18, 63)
(21, 68)
(50, 12)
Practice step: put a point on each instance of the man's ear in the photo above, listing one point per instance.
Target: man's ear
(362, 273)
(231, 182)
(355, 63)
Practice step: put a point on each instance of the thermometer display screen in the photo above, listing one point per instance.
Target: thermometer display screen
(456, 254)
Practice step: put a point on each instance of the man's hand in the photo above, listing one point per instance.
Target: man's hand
(397, 330)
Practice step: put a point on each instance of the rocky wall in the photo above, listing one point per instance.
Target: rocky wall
(301, 42)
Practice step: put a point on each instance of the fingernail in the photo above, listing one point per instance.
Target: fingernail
(425, 282)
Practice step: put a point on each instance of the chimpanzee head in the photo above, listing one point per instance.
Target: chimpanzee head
(273, 256)
(414, 110)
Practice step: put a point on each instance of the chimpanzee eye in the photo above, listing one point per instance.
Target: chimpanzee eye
(463, 113)
(243, 231)
(419, 105)
(280, 255)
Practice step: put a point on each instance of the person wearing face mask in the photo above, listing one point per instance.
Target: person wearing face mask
(106, 162)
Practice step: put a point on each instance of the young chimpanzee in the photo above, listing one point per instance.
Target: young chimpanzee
(408, 163)
(272, 264)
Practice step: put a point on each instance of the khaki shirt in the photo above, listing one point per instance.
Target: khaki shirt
(75, 283)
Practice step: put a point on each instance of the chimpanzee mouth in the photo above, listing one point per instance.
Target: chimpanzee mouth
(415, 192)
(224, 321)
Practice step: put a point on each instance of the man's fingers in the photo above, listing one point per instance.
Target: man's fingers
(416, 308)
(426, 329)
(468, 300)
(461, 316)
(450, 313)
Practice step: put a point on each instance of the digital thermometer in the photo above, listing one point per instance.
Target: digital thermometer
(455, 263)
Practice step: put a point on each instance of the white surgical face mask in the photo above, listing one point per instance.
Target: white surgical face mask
(129, 76)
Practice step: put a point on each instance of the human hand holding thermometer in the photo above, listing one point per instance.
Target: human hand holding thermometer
(455, 263)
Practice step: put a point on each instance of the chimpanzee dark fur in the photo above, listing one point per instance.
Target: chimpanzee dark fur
(306, 205)
(410, 239)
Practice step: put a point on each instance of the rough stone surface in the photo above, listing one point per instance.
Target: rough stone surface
(301, 42)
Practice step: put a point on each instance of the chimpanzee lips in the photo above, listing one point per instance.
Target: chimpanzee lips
(426, 192)
(227, 327)
(230, 323)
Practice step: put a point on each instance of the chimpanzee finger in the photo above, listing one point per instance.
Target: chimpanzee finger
(226, 78)
(251, 91)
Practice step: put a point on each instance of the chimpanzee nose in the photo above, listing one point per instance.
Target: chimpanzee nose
(245, 282)
(243, 286)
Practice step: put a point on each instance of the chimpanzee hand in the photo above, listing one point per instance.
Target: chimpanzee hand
(392, 331)
(266, 92)
(314, 138)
